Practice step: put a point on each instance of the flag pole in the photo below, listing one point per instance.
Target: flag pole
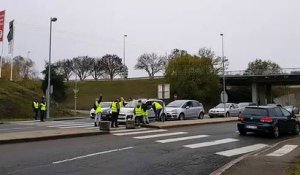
(1, 60)
(12, 60)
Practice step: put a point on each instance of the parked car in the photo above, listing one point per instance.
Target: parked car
(231, 109)
(127, 111)
(105, 115)
(184, 109)
(292, 109)
(242, 105)
(273, 120)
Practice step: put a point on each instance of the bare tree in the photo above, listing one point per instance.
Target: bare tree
(112, 66)
(82, 66)
(64, 67)
(151, 63)
(98, 70)
(23, 68)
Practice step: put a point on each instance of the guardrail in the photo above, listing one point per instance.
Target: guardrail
(263, 72)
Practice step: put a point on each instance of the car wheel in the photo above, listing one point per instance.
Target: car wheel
(181, 116)
(163, 117)
(201, 115)
(227, 115)
(211, 116)
(275, 133)
(242, 132)
(296, 129)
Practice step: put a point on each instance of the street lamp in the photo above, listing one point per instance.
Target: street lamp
(124, 44)
(52, 19)
(223, 60)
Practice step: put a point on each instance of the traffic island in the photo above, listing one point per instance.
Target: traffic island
(183, 123)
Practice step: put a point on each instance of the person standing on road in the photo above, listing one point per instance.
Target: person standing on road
(35, 107)
(145, 113)
(98, 110)
(43, 109)
(138, 112)
(157, 109)
(122, 102)
(115, 109)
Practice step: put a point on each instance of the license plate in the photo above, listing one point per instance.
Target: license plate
(251, 127)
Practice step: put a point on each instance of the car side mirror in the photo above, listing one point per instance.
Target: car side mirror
(187, 107)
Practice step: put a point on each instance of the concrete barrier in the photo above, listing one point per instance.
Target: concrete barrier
(130, 124)
(104, 125)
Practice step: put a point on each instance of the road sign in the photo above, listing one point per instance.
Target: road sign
(222, 96)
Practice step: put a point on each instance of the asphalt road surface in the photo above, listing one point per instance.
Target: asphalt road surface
(185, 150)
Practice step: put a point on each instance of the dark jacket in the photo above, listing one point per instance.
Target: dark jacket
(99, 101)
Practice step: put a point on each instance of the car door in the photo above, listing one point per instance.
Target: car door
(151, 114)
(281, 119)
(233, 110)
(196, 108)
(187, 109)
(291, 121)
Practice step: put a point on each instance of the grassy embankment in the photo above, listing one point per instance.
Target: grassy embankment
(89, 90)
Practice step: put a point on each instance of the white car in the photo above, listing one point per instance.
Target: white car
(106, 111)
(184, 109)
(231, 109)
(126, 112)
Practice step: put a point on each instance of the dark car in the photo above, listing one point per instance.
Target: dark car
(272, 120)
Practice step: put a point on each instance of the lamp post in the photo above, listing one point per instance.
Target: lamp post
(52, 19)
(223, 61)
(124, 45)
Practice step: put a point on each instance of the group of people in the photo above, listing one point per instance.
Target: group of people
(39, 109)
(140, 111)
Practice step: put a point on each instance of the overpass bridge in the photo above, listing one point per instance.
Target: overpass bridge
(261, 81)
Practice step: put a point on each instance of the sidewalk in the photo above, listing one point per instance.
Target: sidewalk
(262, 164)
(36, 135)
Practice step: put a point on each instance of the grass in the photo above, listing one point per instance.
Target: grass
(294, 169)
(90, 90)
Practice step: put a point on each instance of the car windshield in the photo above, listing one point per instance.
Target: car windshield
(105, 104)
(255, 111)
(131, 104)
(221, 105)
(175, 104)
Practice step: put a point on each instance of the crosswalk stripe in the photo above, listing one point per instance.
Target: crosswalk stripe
(283, 150)
(140, 132)
(129, 130)
(80, 126)
(242, 150)
(211, 143)
(159, 135)
(181, 138)
(55, 126)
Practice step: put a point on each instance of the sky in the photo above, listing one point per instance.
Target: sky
(266, 29)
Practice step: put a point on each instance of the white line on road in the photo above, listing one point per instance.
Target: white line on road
(181, 139)
(78, 126)
(140, 132)
(159, 135)
(283, 150)
(211, 143)
(89, 155)
(129, 130)
(7, 129)
(75, 124)
(242, 150)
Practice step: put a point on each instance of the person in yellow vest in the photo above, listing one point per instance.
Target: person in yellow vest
(157, 109)
(35, 107)
(122, 102)
(145, 113)
(138, 112)
(98, 110)
(115, 109)
(43, 109)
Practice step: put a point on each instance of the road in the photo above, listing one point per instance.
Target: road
(193, 150)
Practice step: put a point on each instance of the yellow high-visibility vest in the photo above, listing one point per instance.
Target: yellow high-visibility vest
(98, 107)
(139, 111)
(43, 106)
(36, 105)
(157, 105)
(114, 107)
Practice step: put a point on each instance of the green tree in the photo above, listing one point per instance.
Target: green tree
(57, 80)
(262, 67)
(192, 77)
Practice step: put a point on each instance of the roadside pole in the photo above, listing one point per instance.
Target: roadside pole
(75, 90)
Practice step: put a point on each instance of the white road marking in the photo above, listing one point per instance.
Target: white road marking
(159, 135)
(78, 126)
(140, 132)
(242, 150)
(89, 155)
(58, 126)
(283, 150)
(211, 143)
(181, 138)
(7, 129)
(69, 124)
(129, 130)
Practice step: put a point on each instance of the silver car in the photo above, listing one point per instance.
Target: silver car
(231, 109)
(184, 109)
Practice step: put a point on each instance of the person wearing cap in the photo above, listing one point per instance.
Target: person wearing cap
(115, 109)
(35, 107)
(43, 109)
(98, 110)
(138, 112)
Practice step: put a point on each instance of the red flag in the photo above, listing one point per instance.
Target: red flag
(2, 16)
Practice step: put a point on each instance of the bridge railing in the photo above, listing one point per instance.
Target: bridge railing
(263, 72)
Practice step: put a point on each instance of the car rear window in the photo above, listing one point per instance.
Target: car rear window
(255, 111)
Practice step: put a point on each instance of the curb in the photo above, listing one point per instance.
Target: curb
(183, 125)
(73, 118)
(53, 137)
(221, 170)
